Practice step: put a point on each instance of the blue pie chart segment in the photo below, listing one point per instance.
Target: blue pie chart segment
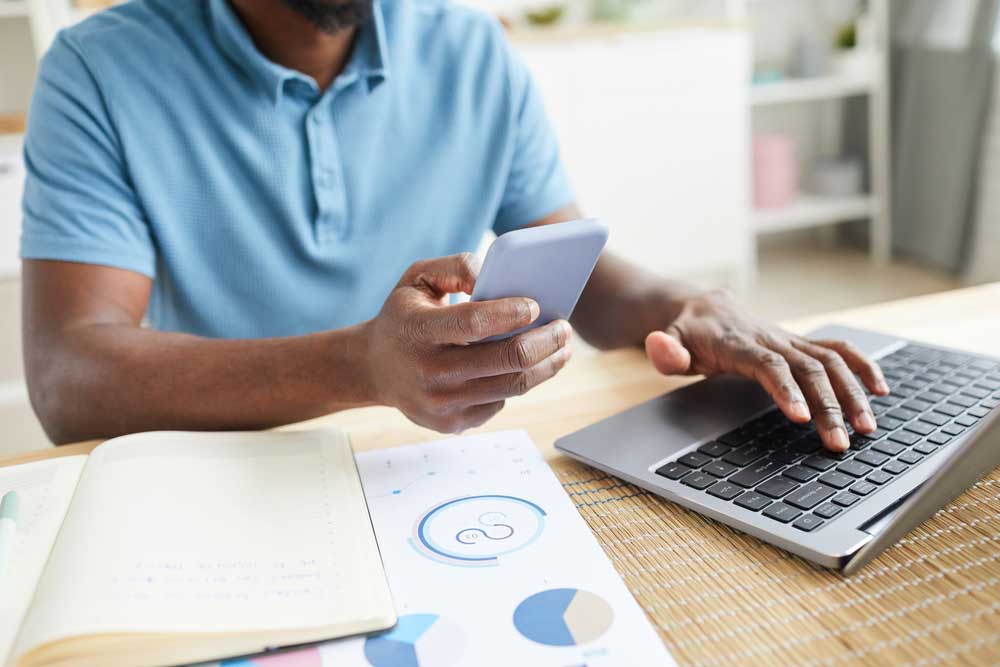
(563, 617)
(418, 640)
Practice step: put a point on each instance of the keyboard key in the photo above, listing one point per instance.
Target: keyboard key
(964, 401)
(886, 447)
(890, 423)
(979, 412)
(895, 467)
(879, 477)
(878, 433)
(917, 405)
(673, 470)
(725, 490)
(920, 427)
(925, 448)
(863, 488)
(785, 456)
(846, 499)
(932, 396)
(800, 473)
(807, 445)
(717, 449)
(699, 480)
(952, 428)
(694, 459)
(903, 414)
(808, 523)
(966, 420)
(935, 418)
(753, 501)
(991, 403)
(756, 474)
(745, 455)
(820, 463)
(736, 438)
(854, 468)
(871, 458)
(939, 438)
(809, 496)
(905, 437)
(720, 469)
(976, 392)
(837, 480)
(827, 510)
(910, 458)
(781, 512)
(948, 409)
(777, 487)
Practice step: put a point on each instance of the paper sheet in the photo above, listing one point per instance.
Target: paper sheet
(490, 565)
(46, 488)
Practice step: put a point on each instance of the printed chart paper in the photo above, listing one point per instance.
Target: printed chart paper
(490, 565)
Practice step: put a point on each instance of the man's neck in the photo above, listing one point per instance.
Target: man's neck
(287, 38)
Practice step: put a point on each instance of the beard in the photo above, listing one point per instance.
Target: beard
(333, 15)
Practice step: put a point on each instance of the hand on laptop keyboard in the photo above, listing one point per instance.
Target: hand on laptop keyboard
(807, 379)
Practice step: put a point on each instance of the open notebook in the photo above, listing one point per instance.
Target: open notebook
(170, 548)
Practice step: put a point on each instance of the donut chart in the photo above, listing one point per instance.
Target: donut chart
(563, 617)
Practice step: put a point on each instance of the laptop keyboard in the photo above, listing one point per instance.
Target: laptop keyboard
(781, 469)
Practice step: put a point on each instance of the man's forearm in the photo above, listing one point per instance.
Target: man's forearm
(109, 379)
(622, 303)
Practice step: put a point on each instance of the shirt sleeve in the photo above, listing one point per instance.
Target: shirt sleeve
(79, 204)
(536, 184)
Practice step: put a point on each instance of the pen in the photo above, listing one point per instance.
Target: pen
(9, 507)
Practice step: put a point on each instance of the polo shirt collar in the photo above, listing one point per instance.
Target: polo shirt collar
(369, 57)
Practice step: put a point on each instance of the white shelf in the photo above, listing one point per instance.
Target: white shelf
(812, 211)
(11, 8)
(805, 90)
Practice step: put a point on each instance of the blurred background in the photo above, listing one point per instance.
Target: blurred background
(811, 155)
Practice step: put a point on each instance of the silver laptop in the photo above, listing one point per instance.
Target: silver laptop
(721, 448)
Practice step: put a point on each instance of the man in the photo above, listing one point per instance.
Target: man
(254, 176)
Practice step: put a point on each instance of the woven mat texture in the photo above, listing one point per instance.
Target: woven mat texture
(720, 598)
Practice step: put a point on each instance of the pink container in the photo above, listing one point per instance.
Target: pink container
(775, 171)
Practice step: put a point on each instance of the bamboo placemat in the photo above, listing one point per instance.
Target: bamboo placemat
(720, 598)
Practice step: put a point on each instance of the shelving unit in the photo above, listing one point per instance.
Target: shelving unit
(813, 211)
(791, 91)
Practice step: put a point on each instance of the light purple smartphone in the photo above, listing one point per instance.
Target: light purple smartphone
(550, 264)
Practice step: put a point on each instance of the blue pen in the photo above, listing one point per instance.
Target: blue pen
(9, 509)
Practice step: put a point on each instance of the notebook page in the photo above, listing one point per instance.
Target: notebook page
(225, 532)
(46, 488)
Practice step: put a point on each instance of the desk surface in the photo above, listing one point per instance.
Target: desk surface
(720, 597)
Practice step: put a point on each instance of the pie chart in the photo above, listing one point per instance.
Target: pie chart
(563, 617)
(418, 640)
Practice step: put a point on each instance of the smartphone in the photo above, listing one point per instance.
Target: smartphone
(550, 264)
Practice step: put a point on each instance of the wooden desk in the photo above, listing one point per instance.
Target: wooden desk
(719, 597)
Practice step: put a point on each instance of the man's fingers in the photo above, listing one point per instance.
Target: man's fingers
(444, 275)
(499, 387)
(474, 320)
(770, 369)
(667, 353)
(511, 355)
(869, 371)
(811, 375)
(849, 392)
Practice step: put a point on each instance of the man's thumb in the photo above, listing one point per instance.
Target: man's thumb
(667, 353)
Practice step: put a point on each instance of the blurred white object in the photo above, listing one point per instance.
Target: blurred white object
(653, 126)
(841, 177)
(11, 186)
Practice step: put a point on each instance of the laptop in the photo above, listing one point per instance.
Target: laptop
(721, 448)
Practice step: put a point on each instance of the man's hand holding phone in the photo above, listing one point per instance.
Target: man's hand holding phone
(421, 361)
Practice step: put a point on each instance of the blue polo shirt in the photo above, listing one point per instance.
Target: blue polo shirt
(161, 141)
